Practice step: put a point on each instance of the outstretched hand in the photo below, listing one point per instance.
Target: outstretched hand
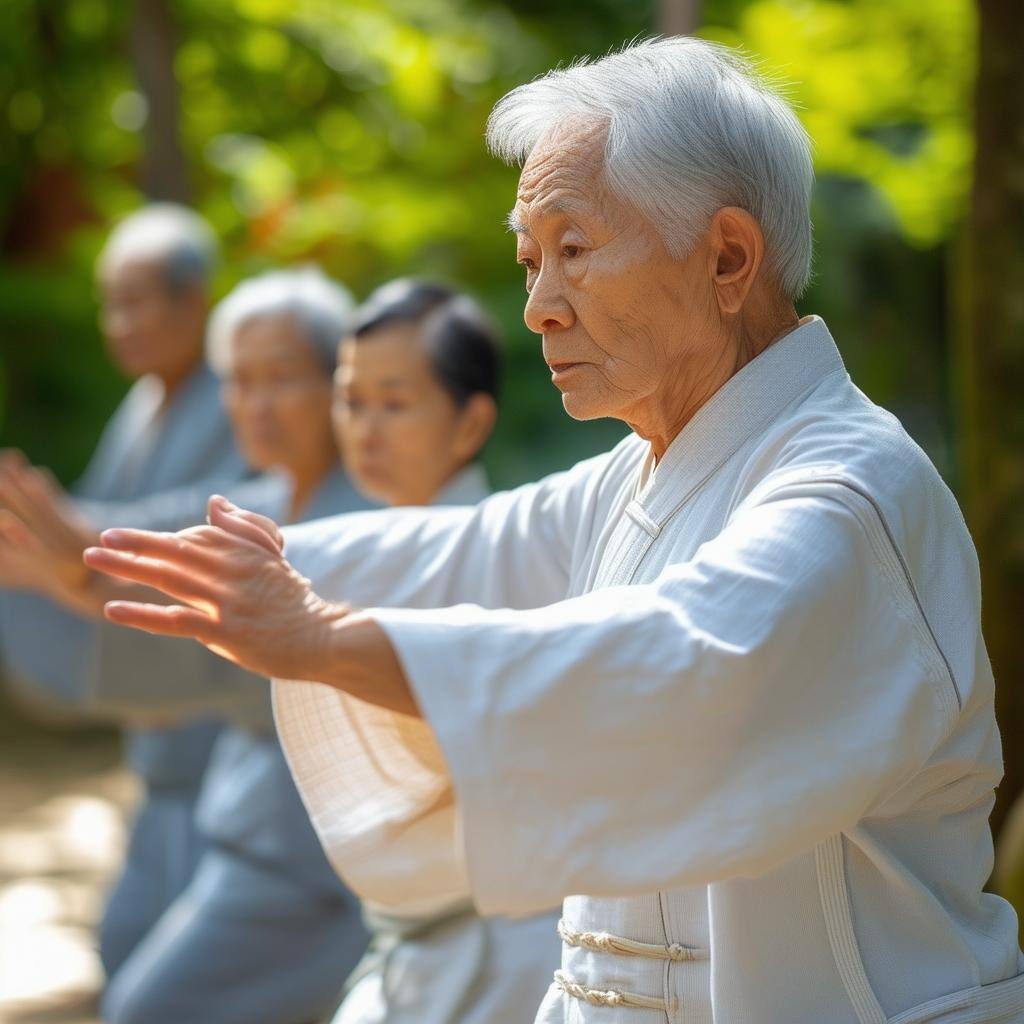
(237, 593)
(23, 556)
(31, 496)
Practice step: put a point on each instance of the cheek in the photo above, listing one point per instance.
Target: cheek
(302, 416)
(421, 441)
(618, 309)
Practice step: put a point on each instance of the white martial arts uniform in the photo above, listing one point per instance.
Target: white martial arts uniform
(433, 959)
(739, 700)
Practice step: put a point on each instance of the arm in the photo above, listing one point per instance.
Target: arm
(243, 599)
(745, 706)
(748, 704)
(514, 549)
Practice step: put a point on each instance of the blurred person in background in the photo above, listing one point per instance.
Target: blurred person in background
(265, 932)
(415, 402)
(170, 433)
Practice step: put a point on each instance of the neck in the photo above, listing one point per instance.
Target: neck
(307, 478)
(695, 380)
(173, 377)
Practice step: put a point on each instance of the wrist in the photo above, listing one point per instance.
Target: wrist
(353, 654)
(326, 651)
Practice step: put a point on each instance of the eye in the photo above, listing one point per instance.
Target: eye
(571, 251)
(528, 262)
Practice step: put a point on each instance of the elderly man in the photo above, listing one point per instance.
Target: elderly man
(725, 681)
(169, 437)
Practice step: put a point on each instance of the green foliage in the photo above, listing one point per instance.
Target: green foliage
(351, 134)
(883, 87)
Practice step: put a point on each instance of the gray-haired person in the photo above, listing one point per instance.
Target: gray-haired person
(168, 434)
(721, 690)
(265, 933)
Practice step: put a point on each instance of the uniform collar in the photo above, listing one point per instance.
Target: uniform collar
(467, 487)
(744, 406)
(335, 494)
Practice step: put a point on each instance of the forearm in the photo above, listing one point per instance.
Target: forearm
(356, 657)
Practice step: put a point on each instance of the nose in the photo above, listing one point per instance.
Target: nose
(547, 308)
(365, 430)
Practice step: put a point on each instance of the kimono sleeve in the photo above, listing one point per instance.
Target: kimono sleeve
(375, 783)
(514, 549)
(713, 723)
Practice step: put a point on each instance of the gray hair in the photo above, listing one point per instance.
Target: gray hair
(691, 128)
(320, 307)
(172, 235)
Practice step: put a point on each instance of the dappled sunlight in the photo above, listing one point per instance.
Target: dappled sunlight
(62, 833)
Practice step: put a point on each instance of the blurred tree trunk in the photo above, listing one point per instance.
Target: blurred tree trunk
(990, 368)
(679, 17)
(164, 173)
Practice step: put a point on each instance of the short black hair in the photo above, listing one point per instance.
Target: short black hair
(462, 342)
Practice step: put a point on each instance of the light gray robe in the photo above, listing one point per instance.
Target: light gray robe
(266, 932)
(181, 453)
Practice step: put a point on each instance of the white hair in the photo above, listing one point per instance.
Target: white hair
(172, 235)
(691, 128)
(321, 308)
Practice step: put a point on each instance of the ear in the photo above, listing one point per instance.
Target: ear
(476, 422)
(735, 256)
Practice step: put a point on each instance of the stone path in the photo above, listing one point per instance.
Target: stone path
(63, 802)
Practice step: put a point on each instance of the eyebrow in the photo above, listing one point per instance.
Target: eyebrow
(384, 382)
(517, 227)
(514, 224)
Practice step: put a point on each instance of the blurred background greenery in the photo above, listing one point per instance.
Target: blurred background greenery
(350, 132)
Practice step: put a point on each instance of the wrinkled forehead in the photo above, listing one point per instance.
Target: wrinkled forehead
(134, 272)
(564, 170)
(271, 341)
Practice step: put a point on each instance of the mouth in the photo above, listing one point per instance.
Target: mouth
(559, 371)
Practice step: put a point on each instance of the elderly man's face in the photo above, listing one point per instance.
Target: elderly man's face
(148, 328)
(621, 318)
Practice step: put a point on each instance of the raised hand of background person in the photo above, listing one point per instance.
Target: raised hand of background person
(26, 563)
(35, 497)
(23, 556)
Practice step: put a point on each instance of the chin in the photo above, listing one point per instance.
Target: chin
(582, 406)
(132, 364)
(262, 458)
(375, 492)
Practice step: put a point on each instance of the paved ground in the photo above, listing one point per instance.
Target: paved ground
(63, 799)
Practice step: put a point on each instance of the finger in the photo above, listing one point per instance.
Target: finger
(36, 490)
(46, 475)
(12, 457)
(18, 533)
(265, 523)
(13, 529)
(238, 522)
(190, 549)
(13, 493)
(193, 588)
(165, 620)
